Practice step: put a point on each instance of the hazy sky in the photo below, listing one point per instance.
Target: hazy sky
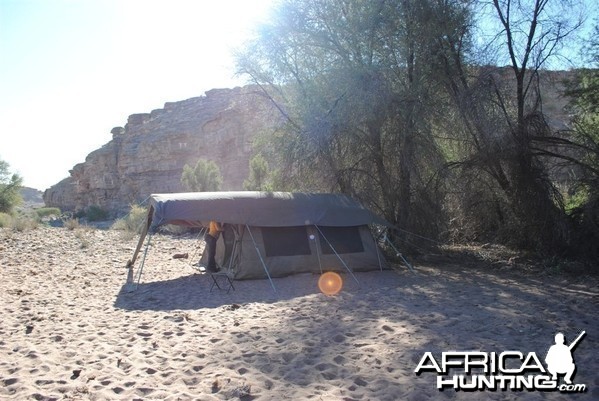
(71, 70)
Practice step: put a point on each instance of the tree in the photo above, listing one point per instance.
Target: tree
(352, 79)
(10, 186)
(204, 177)
(584, 95)
(509, 140)
(533, 34)
(258, 179)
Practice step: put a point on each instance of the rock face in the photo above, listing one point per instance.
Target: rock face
(147, 155)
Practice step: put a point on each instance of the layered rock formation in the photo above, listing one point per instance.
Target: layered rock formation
(147, 155)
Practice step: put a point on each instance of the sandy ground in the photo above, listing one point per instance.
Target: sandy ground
(70, 329)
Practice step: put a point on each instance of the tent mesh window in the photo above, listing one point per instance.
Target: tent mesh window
(285, 241)
(343, 239)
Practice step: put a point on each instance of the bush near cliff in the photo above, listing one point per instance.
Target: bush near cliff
(48, 212)
(93, 213)
(205, 176)
(134, 221)
(10, 186)
(19, 221)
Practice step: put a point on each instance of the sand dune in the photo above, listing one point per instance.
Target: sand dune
(70, 329)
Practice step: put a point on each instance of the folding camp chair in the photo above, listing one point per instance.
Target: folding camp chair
(221, 280)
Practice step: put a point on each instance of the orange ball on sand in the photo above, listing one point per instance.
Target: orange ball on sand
(330, 283)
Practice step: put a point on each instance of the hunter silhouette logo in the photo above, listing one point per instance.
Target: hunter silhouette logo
(507, 370)
(559, 357)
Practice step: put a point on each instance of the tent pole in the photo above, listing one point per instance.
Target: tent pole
(200, 235)
(313, 238)
(378, 252)
(261, 260)
(399, 253)
(233, 251)
(142, 237)
(336, 254)
(234, 258)
(143, 261)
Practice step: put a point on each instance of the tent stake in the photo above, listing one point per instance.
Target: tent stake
(399, 253)
(261, 260)
(336, 254)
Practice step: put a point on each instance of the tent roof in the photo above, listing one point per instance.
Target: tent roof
(265, 209)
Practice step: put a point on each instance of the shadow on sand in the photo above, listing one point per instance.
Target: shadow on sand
(193, 292)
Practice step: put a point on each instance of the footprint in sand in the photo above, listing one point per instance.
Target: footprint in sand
(339, 338)
(340, 360)
(288, 356)
(10, 382)
(360, 382)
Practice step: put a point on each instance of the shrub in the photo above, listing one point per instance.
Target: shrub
(10, 188)
(205, 176)
(134, 221)
(71, 224)
(84, 241)
(19, 222)
(95, 213)
(47, 211)
(258, 180)
(5, 220)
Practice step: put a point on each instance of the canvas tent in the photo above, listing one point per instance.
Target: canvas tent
(274, 234)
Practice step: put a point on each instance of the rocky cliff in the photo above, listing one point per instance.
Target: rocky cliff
(147, 155)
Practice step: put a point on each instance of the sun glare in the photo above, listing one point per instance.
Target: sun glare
(330, 283)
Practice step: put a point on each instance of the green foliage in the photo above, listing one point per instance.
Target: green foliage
(354, 81)
(204, 177)
(391, 103)
(584, 94)
(134, 221)
(19, 221)
(583, 205)
(24, 222)
(47, 211)
(10, 186)
(259, 178)
(576, 199)
(96, 213)
(5, 220)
